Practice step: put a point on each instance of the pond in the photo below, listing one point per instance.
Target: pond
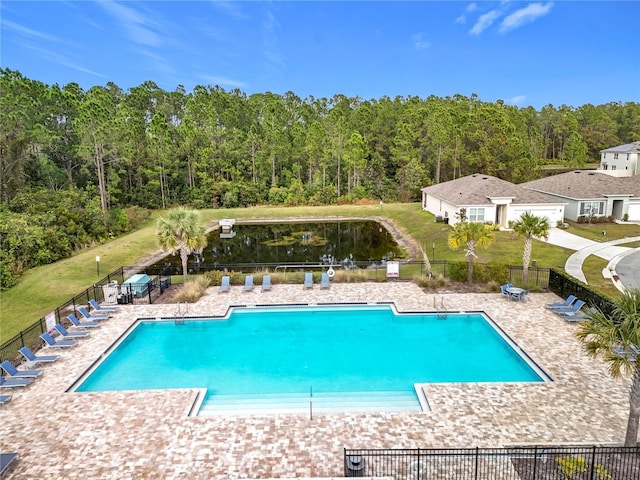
(343, 242)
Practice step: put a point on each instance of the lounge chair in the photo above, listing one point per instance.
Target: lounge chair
(67, 334)
(630, 353)
(578, 316)
(12, 371)
(308, 280)
(6, 459)
(4, 399)
(93, 317)
(248, 283)
(33, 359)
(324, 282)
(570, 299)
(51, 342)
(77, 323)
(266, 282)
(573, 309)
(225, 284)
(14, 382)
(100, 308)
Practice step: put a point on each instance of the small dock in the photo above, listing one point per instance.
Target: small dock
(226, 227)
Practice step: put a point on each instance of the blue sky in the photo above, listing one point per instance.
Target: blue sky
(525, 53)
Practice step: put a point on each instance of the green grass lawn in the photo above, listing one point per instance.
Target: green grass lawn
(43, 289)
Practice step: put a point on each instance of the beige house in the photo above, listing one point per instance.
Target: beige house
(489, 199)
(592, 193)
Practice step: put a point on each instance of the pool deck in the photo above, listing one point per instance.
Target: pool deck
(148, 435)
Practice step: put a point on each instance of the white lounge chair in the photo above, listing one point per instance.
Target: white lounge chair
(93, 317)
(101, 308)
(13, 372)
(567, 303)
(14, 382)
(308, 280)
(77, 323)
(51, 342)
(67, 334)
(225, 284)
(248, 283)
(33, 359)
(266, 282)
(325, 280)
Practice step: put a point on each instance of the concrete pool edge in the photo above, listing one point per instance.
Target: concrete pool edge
(418, 387)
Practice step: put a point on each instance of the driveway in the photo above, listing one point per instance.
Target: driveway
(624, 261)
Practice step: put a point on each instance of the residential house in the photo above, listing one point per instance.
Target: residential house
(592, 193)
(490, 200)
(621, 161)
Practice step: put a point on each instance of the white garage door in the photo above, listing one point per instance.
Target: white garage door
(634, 212)
(552, 214)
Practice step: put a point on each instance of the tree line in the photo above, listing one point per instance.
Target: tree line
(151, 148)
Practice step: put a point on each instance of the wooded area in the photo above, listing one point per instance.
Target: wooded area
(99, 152)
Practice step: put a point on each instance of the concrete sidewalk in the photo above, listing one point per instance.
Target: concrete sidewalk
(585, 247)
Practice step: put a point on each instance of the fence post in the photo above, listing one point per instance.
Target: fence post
(593, 462)
(535, 460)
(477, 455)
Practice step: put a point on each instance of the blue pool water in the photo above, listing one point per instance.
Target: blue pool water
(294, 349)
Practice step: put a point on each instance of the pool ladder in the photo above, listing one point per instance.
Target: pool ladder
(180, 313)
(440, 309)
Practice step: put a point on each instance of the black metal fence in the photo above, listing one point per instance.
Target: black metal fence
(112, 283)
(538, 277)
(516, 463)
(563, 285)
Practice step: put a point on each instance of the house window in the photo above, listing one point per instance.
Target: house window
(591, 208)
(605, 166)
(613, 167)
(476, 214)
(615, 156)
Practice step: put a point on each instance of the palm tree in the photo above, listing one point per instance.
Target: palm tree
(179, 231)
(529, 226)
(616, 338)
(472, 235)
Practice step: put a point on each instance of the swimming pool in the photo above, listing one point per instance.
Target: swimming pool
(279, 352)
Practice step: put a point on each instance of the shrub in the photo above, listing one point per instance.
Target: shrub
(193, 290)
(570, 465)
(431, 283)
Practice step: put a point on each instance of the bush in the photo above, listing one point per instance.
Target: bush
(193, 290)
(431, 283)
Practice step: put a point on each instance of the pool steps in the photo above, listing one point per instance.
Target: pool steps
(299, 403)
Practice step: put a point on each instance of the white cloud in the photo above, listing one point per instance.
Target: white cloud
(472, 7)
(272, 53)
(419, 42)
(484, 22)
(517, 100)
(223, 81)
(28, 32)
(525, 15)
(230, 8)
(62, 60)
(133, 23)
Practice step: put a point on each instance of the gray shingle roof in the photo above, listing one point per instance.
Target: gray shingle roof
(585, 184)
(478, 189)
(633, 147)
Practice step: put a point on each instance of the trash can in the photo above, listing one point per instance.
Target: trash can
(354, 466)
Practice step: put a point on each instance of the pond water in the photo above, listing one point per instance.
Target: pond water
(326, 243)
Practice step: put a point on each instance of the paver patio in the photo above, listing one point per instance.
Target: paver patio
(148, 434)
